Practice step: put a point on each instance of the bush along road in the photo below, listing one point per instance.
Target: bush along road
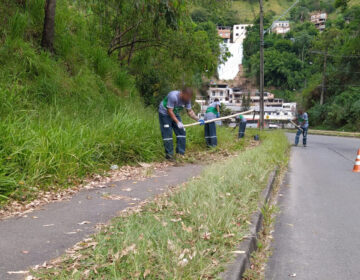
(187, 233)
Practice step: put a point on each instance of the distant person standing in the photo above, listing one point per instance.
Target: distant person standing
(170, 120)
(242, 126)
(212, 112)
(303, 121)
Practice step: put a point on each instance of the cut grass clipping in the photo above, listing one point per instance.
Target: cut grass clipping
(189, 234)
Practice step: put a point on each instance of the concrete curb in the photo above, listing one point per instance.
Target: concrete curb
(236, 269)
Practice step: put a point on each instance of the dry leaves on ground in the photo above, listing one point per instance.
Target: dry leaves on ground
(139, 173)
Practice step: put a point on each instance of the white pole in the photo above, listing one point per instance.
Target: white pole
(219, 119)
(298, 127)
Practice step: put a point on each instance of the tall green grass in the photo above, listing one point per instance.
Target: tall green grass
(187, 235)
(70, 114)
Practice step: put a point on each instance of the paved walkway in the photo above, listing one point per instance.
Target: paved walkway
(317, 233)
(46, 234)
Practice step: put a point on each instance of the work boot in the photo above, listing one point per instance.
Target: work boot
(170, 158)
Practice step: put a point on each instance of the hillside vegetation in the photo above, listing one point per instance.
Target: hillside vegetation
(76, 110)
(247, 11)
(296, 68)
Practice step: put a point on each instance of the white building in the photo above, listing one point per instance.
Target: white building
(239, 32)
(219, 91)
(280, 26)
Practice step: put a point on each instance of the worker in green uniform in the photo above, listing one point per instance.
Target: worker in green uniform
(212, 112)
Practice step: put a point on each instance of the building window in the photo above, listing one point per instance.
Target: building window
(213, 93)
(221, 93)
(237, 34)
(237, 27)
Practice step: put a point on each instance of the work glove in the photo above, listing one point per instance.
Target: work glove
(218, 115)
(180, 125)
(202, 122)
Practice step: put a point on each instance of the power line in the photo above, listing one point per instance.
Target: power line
(288, 10)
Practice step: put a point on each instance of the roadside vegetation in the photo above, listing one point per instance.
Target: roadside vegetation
(90, 100)
(189, 233)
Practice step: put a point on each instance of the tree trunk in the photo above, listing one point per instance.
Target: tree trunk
(47, 41)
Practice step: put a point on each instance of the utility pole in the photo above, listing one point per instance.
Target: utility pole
(261, 65)
(323, 80)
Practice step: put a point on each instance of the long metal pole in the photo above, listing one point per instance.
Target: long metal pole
(261, 65)
(323, 80)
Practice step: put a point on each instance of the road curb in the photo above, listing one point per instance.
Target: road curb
(236, 269)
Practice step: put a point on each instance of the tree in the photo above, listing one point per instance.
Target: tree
(47, 41)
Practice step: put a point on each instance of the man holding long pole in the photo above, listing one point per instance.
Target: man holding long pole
(303, 122)
(170, 120)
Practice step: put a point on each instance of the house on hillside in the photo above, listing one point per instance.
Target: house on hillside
(219, 91)
(239, 32)
(280, 26)
(225, 33)
(319, 20)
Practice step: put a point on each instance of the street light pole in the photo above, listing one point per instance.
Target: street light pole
(261, 65)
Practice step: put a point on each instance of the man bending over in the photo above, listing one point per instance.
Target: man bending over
(170, 120)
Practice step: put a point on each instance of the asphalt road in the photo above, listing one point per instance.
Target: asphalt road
(46, 234)
(317, 233)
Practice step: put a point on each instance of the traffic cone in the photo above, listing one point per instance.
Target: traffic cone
(357, 163)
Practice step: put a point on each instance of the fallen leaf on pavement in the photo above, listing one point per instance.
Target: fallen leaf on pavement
(292, 275)
(84, 223)
(49, 225)
(71, 232)
(25, 252)
(127, 189)
(18, 272)
(114, 197)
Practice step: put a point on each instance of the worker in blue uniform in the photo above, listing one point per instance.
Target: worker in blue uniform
(303, 122)
(170, 120)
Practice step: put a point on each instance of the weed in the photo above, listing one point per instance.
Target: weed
(188, 234)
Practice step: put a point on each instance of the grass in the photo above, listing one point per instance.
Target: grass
(248, 10)
(67, 115)
(188, 234)
(332, 133)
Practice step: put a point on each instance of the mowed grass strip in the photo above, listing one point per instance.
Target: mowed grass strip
(188, 234)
